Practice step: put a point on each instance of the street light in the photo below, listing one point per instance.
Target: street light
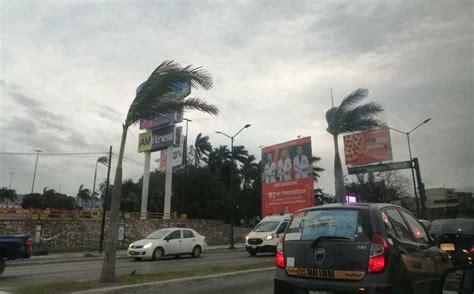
(231, 180)
(34, 173)
(411, 159)
(104, 160)
(185, 159)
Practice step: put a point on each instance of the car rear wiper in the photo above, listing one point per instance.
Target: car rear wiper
(322, 238)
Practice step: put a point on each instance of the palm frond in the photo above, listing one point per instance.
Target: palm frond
(159, 87)
(331, 118)
(362, 117)
(352, 99)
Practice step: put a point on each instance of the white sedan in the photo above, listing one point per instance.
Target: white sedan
(168, 242)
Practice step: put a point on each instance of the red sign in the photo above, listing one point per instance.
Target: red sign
(287, 177)
(368, 147)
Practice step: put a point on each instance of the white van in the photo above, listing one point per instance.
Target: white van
(264, 237)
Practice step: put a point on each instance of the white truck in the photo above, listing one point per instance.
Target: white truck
(264, 237)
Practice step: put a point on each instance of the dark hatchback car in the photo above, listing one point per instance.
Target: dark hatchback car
(456, 237)
(357, 248)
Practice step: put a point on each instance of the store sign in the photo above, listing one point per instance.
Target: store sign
(156, 140)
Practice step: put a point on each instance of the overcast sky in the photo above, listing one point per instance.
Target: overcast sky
(69, 70)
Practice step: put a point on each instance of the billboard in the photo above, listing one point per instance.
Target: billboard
(287, 177)
(154, 140)
(161, 120)
(179, 91)
(368, 147)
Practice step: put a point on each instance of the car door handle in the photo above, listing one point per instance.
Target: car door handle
(194, 239)
(179, 241)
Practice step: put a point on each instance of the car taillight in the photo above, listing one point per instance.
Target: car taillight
(378, 254)
(280, 256)
(28, 243)
(472, 249)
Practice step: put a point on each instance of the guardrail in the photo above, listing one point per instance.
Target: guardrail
(78, 214)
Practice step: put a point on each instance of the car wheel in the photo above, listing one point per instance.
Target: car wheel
(137, 258)
(196, 251)
(158, 253)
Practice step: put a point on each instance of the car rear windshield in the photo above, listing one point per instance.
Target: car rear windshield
(266, 226)
(345, 223)
(452, 226)
(158, 234)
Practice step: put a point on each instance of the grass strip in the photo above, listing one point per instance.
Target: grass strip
(72, 286)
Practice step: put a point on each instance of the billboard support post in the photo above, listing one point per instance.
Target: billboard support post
(421, 188)
(146, 185)
(417, 200)
(168, 182)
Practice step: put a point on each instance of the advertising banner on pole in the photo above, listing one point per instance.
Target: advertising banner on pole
(156, 140)
(368, 147)
(287, 177)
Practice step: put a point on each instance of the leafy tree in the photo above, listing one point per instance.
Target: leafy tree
(154, 97)
(49, 199)
(379, 187)
(316, 169)
(7, 194)
(321, 198)
(201, 147)
(346, 118)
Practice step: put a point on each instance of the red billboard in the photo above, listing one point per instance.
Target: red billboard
(368, 147)
(287, 177)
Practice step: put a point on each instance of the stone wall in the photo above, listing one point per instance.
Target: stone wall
(76, 235)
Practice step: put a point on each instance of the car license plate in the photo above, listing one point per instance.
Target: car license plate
(447, 246)
(319, 292)
(133, 253)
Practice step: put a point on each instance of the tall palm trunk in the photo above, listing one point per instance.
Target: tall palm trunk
(338, 174)
(108, 268)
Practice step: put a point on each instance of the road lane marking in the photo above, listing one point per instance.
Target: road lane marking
(179, 280)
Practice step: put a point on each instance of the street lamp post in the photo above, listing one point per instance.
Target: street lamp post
(232, 200)
(185, 159)
(103, 160)
(407, 134)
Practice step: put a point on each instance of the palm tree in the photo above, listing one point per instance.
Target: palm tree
(346, 118)
(316, 169)
(84, 194)
(201, 147)
(153, 97)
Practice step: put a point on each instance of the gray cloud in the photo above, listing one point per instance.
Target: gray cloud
(273, 63)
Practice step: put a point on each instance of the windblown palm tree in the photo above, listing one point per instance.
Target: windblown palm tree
(346, 118)
(201, 147)
(153, 97)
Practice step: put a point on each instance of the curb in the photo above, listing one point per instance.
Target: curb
(121, 255)
(179, 280)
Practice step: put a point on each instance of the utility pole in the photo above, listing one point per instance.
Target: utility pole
(34, 173)
(185, 161)
(11, 178)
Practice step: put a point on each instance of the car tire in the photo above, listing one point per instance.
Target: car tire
(137, 258)
(196, 251)
(158, 253)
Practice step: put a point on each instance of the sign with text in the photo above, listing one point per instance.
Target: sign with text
(287, 177)
(368, 147)
(156, 140)
(379, 167)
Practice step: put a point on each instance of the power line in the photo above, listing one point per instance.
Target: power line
(55, 153)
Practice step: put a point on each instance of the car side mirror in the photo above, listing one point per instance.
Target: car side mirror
(167, 239)
(458, 280)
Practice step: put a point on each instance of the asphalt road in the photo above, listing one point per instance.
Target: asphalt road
(251, 283)
(90, 270)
